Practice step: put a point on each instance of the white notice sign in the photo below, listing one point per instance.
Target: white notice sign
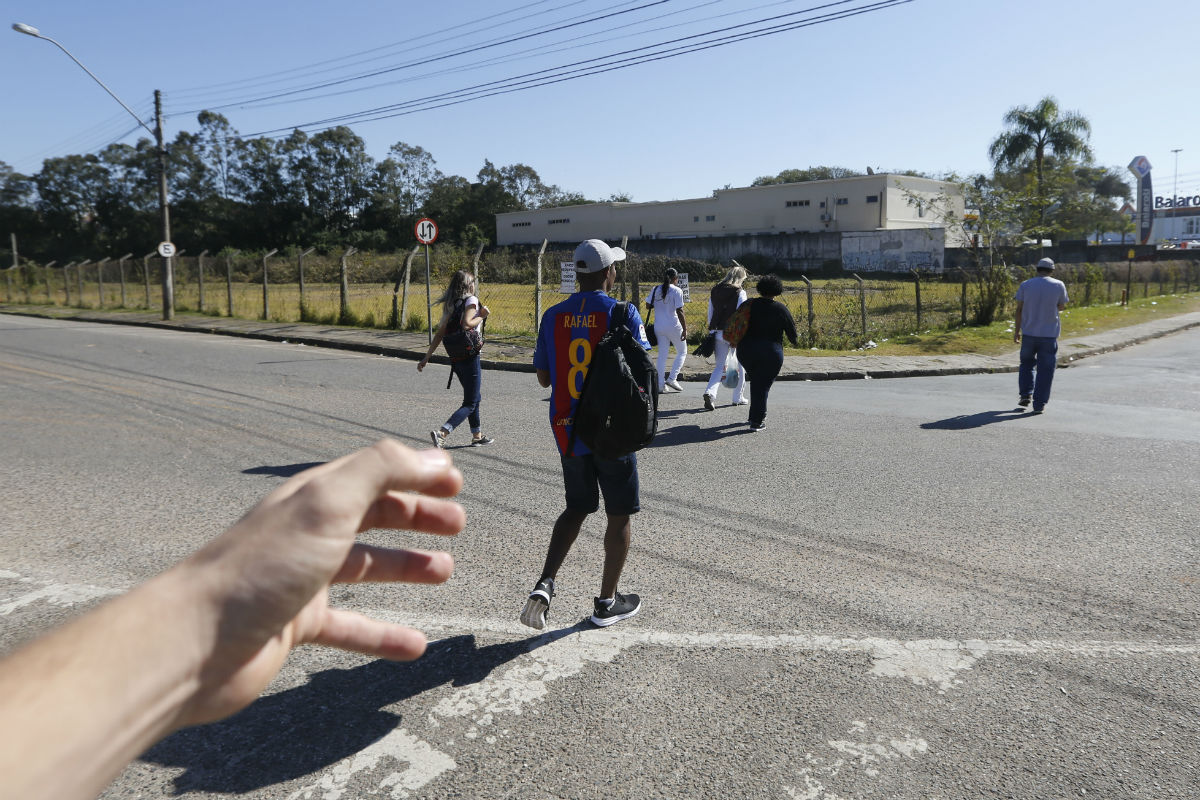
(683, 286)
(568, 277)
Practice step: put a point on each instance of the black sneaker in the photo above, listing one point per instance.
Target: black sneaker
(708, 403)
(1025, 400)
(537, 607)
(756, 428)
(622, 607)
(481, 441)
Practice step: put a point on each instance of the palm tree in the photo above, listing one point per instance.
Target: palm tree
(1034, 131)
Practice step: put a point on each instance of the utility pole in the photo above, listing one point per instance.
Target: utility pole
(168, 273)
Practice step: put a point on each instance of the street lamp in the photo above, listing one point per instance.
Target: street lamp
(168, 280)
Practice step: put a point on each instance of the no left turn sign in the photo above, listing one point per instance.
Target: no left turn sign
(427, 231)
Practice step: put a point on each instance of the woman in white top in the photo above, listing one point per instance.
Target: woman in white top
(670, 327)
(461, 309)
(726, 296)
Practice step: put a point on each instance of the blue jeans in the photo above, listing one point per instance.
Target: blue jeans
(1040, 352)
(762, 359)
(471, 377)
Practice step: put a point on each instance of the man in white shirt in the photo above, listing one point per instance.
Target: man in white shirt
(1039, 300)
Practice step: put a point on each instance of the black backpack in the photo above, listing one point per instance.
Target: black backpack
(461, 343)
(617, 412)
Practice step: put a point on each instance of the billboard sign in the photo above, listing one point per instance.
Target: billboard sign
(1140, 167)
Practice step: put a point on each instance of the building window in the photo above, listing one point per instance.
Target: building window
(822, 204)
(797, 203)
(695, 219)
(562, 221)
(872, 198)
(711, 218)
(842, 201)
(522, 224)
(1191, 226)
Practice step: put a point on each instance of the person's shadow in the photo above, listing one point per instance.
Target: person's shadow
(282, 470)
(338, 713)
(966, 421)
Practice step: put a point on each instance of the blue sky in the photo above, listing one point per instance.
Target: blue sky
(922, 85)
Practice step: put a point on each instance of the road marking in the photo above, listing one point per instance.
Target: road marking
(59, 594)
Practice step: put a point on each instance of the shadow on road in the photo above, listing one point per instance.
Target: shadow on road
(693, 434)
(283, 470)
(966, 421)
(338, 713)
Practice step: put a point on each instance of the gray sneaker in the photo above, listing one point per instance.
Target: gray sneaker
(439, 439)
(537, 607)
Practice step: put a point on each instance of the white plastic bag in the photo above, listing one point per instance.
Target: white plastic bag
(730, 381)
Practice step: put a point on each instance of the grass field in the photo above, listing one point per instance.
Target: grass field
(836, 326)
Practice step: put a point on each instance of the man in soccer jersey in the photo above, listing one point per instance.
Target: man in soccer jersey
(567, 338)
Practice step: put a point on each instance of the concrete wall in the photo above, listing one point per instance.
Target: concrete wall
(894, 251)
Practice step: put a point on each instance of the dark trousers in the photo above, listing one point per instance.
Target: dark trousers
(1040, 352)
(470, 376)
(762, 359)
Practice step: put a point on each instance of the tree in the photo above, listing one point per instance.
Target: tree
(1035, 132)
(410, 173)
(803, 175)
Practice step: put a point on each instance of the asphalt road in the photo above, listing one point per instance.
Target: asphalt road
(902, 589)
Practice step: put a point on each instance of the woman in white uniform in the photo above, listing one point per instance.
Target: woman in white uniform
(670, 327)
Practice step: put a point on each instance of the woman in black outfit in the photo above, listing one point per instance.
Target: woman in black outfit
(761, 349)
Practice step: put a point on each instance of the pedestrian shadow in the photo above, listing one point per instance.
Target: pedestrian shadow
(697, 434)
(282, 470)
(967, 421)
(671, 413)
(336, 714)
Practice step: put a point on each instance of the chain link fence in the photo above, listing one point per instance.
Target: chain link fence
(398, 291)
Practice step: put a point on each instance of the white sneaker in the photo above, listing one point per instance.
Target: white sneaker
(742, 402)
(675, 385)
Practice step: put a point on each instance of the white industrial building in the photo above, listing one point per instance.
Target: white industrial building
(868, 203)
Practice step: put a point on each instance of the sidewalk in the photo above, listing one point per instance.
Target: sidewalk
(519, 358)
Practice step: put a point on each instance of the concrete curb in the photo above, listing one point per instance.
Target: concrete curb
(403, 344)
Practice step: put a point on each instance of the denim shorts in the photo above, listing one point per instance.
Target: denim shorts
(587, 476)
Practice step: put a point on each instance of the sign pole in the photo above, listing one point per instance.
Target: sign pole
(427, 233)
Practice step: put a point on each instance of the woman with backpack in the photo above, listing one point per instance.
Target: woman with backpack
(670, 327)
(724, 299)
(460, 330)
(761, 348)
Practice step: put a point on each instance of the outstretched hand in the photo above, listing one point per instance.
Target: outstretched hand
(268, 575)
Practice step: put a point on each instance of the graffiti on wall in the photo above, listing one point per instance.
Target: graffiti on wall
(894, 251)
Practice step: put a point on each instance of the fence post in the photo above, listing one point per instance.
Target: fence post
(79, 278)
(537, 290)
(229, 254)
(49, 289)
(964, 295)
(344, 301)
(625, 270)
(812, 336)
(8, 280)
(917, 284)
(1108, 296)
(146, 273)
(100, 277)
(266, 299)
(407, 278)
(67, 280)
(300, 272)
(200, 281)
(862, 302)
(121, 264)
(8, 273)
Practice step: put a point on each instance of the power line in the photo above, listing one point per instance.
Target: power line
(442, 57)
(577, 69)
(310, 68)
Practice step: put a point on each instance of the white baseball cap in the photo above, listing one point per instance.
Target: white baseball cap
(1046, 263)
(596, 256)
